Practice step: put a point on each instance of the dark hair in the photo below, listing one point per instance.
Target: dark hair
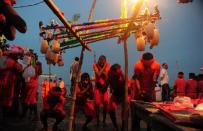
(102, 56)
(200, 76)
(85, 75)
(164, 64)
(192, 76)
(115, 67)
(180, 73)
(76, 59)
(56, 89)
(147, 56)
(60, 78)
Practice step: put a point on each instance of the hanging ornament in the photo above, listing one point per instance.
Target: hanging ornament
(61, 63)
(56, 46)
(55, 57)
(155, 40)
(44, 46)
(149, 30)
(140, 42)
(48, 55)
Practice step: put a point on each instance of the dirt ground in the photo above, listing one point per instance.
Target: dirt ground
(26, 124)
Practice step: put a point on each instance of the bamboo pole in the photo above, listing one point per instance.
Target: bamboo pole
(125, 46)
(125, 37)
(74, 90)
(58, 13)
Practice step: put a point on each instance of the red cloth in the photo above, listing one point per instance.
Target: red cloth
(180, 87)
(31, 91)
(191, 89)
(96, 68)
(84, 104)
(200, 89)
(147, 76)
(53, 102)
(7, 81)
(87, 108)
(100, 98)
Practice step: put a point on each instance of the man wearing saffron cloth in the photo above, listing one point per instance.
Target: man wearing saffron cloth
(85, 93)
(53, 106)
(101, 69)
(116, 80)
(200, 86)
(191, 86)
(9, 68)
(180, 85)
(146, 72)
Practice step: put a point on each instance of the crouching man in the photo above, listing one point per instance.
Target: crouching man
(53, 106)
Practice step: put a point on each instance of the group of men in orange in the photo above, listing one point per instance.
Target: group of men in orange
(193, 87)
(146, 72)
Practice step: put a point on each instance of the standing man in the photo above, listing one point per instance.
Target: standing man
(146, 72)
(164, 83)
(101, 69)
(73, 72)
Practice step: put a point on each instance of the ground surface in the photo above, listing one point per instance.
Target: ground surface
(26, 124)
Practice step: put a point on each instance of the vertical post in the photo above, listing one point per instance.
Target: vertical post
(74, 90)
(125, 104)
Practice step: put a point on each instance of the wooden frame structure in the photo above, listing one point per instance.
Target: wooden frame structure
(83, 41)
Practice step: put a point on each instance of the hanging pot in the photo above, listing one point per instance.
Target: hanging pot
(140, 41)
(155, 40)
(56, 46)
(55, 57)
(149, 30)
(61, 63)
(44, 46)
(49, 55)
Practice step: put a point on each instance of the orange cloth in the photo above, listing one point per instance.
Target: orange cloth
(105, 71)
(7, 81)
(200, 89)
(191, 88)
(147, 76)
(180, 87)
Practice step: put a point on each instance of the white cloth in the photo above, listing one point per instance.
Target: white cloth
(164, 75)
(158, 93)
(74, 69)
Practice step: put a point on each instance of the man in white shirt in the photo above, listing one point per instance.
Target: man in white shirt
(164, 79)
(73, 71)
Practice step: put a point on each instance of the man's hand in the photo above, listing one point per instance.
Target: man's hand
(11, 20)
